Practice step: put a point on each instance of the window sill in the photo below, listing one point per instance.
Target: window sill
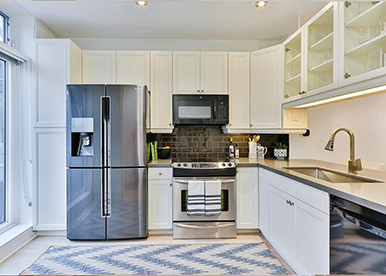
(15, 238)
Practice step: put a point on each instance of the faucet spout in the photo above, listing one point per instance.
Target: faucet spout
(354, 165)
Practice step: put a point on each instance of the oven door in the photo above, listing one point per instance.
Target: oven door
(228, 200)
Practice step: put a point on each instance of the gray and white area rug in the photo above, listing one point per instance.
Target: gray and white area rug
(173, 259)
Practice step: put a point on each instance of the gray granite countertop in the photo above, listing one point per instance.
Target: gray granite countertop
(371, 195)
(160, 163)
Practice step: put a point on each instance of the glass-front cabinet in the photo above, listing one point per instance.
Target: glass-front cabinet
(363, 43)
(293, 66)
(321, 55)
(311, 56)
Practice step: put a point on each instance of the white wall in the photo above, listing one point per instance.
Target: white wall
(173, 44)
(365, 117)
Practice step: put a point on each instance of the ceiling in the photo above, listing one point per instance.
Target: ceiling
(228, 20)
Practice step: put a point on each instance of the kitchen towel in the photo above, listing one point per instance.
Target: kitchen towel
(213, 197)
(196, 198)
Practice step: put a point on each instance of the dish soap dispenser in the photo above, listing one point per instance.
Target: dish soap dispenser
(231, 150)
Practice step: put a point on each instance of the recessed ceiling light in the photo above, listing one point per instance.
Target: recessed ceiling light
(141, 3)
(260, 4)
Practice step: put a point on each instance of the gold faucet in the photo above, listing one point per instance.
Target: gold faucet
(354, 165)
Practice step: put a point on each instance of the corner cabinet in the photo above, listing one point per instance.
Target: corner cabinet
(200, 72)
(247, 193)
(160, 196)
(311, 56)
(292, 215)
(362, 41)
(161, 95)
(266, 88)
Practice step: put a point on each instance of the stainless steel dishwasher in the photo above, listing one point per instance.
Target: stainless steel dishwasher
(357, 239)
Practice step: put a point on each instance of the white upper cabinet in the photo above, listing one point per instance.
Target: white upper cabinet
(161, 92)
(58, 62)
(200, 72)
(294, 66)
(362, 41)
(239, 82)
(321, 55)
(266, 88)
(214, 72)
(186, 72)
(99, 67)
(133, 67)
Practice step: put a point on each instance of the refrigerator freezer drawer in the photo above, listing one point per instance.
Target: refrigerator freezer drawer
(84, 219)
(128, 204)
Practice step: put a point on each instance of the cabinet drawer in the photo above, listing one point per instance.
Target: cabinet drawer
(160, 173)
(280, 182)
(313, 197)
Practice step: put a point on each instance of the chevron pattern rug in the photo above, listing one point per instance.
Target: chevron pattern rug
(358, 258)
(183, 259)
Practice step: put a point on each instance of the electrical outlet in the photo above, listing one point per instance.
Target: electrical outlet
(295, 115)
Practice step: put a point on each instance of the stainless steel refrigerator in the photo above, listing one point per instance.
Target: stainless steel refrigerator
(106, 162)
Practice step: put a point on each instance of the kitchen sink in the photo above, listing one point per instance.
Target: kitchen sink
(331, 176)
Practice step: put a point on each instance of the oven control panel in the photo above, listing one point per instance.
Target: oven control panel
(204, 165)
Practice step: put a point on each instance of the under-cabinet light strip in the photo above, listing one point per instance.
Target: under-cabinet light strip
(344, 97)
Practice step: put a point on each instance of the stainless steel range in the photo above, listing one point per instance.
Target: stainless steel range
(192, 226)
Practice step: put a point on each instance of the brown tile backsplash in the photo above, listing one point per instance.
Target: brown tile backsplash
(205, 141)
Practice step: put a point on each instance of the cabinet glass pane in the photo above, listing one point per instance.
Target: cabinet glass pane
(364, 37)
(320, 51)
(292, 67)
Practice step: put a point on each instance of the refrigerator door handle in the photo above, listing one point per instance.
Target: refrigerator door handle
(108, 193)
(106, 130)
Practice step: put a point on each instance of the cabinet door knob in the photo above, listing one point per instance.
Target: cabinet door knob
(202, 90)
(347, 75)
(170, 124)
(171, 184)
(288, 202)
(250, 125)
(160, 173)
(230, 124)
(198, 91)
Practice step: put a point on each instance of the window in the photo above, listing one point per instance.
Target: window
(4, 28)
(4, 31)
(2, 143)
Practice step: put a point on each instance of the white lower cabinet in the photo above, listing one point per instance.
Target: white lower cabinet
(296, 222)
(247, 193)
(281, 224)
(160, 195)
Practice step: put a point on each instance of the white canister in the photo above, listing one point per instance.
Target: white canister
(252, 150)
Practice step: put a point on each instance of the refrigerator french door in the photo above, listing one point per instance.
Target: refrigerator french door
(106, 160)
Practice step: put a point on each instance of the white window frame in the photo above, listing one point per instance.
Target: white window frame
(12, 56)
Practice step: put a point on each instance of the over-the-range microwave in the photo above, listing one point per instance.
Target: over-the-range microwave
(200, 109)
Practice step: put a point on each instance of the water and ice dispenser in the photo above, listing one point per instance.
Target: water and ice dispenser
(82, 130)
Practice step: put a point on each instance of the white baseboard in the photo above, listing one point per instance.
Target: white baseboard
(14, 239)
(46, 233)
(160, 232)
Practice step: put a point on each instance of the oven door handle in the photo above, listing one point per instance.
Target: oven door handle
(186, 181)
(203, 227)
